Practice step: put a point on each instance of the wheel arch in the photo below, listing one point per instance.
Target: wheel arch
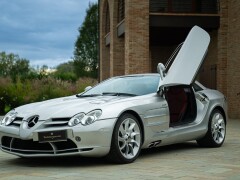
(208, 140)
(222, 111)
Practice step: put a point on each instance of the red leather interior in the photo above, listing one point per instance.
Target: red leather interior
(177, 102)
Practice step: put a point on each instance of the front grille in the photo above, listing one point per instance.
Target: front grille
(57, 122)
(17, 122)
(54, 122)
(29, 147)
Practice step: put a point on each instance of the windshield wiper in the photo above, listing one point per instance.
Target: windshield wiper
(106, 93)
(118, 94)
(88, 95)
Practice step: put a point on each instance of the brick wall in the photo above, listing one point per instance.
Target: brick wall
(228, 71)
(128, 54)
(117, 61)
(233, 58)
(132, 53)
(104, 50)
(137, 37)
(222, 48)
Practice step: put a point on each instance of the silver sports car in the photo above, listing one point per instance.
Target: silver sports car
(122, 115)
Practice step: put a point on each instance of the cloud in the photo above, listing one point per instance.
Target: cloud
(41, 30)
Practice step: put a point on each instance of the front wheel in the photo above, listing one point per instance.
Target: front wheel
(126, 140)
(216, 131)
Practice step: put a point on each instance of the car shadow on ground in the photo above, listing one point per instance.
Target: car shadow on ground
(76, 161)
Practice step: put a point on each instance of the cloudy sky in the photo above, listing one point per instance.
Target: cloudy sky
(42, 31)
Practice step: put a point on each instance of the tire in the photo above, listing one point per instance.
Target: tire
(126, 140)
(216, 133)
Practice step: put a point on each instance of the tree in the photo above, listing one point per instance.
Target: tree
(86, 45)
(12, 65)
(65, 71)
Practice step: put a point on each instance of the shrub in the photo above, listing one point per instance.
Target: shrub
(32, 90)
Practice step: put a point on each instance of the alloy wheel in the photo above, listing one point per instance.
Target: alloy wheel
(129, 138)
(218, 128)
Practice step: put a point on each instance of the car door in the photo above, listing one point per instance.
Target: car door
(188, 60)
(182, 72)
(186, 64)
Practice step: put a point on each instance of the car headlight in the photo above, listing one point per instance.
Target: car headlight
(91, 117)
(9, 117)
(76, 119)
(87, 119)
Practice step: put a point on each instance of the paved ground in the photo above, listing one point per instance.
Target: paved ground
(181, 161)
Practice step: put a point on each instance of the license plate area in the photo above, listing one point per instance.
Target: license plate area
(52, 136)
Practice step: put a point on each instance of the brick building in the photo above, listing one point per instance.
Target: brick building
(136, 35)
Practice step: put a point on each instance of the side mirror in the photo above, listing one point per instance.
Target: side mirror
(87, 88)
(161, 69)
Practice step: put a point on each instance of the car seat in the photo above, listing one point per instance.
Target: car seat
(177, 102)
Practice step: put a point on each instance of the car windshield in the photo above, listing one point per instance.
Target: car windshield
(126, 86)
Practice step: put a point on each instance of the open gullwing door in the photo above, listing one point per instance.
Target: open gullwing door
(188, 60)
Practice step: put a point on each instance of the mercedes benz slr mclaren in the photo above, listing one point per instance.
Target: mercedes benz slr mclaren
(122, 115)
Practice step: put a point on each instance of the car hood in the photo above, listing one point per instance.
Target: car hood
(65, 107)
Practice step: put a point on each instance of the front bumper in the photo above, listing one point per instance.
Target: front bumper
(92, 140)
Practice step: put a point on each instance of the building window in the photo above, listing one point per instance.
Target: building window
(207, 6)
(121, 10)
(185, 6)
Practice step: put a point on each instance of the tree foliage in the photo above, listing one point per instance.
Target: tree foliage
(86, 46)
(65, 71)
(21, 84)
(12, 65)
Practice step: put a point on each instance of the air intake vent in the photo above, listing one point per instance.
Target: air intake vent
(57, 122)
(17, 121)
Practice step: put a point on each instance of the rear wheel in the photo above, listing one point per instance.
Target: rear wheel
(126, 140)
(216, 131)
